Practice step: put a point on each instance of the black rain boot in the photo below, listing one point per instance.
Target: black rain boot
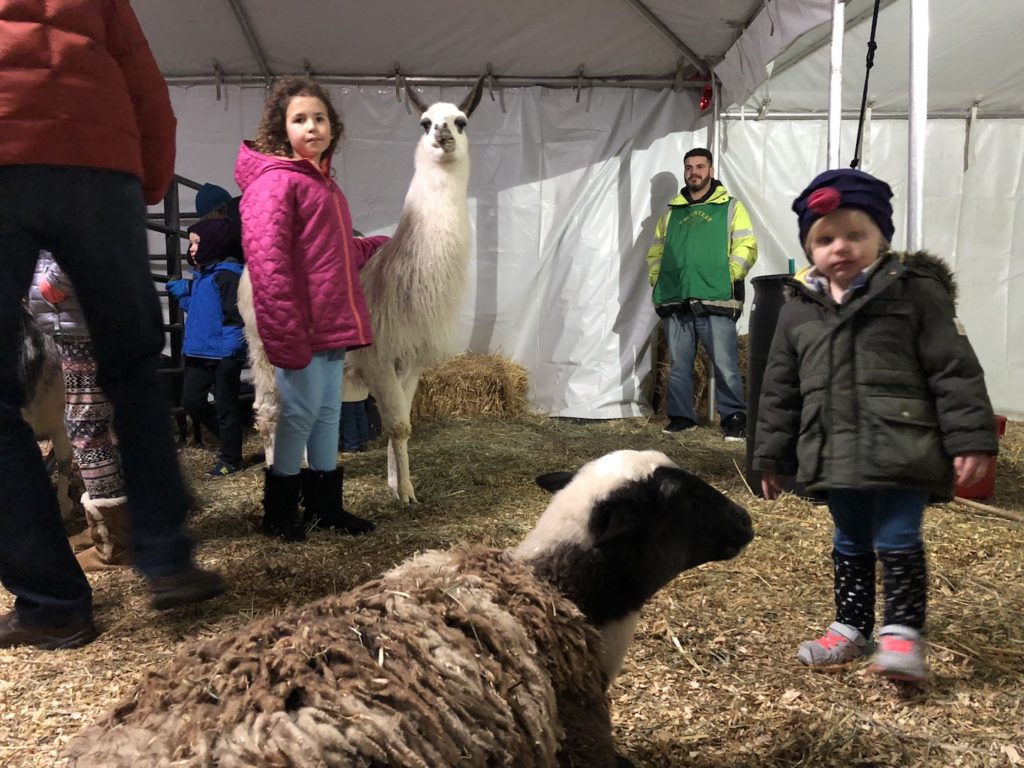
(322, 495)
(281, 506)
(901, 649)
(905, 579)
(854, 580)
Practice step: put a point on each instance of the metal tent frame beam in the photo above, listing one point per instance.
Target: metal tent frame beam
(250, 38)
(500, 81)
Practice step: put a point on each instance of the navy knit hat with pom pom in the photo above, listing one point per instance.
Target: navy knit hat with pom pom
(845, 188)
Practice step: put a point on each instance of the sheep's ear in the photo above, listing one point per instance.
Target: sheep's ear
(414, 98)
(554, 481)
(473, 97)
(670, 484)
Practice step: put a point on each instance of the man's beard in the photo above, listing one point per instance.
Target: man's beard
(697, 186)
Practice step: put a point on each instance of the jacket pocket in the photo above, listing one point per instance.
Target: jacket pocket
(906, 442)
(810, 444)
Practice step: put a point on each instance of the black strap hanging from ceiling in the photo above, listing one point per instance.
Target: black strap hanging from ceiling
(872, 46)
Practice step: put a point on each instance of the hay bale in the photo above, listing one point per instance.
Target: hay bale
(663, 364)
(472, 385)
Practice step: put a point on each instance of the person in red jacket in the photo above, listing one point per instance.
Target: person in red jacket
(86, 141)
(304, 263)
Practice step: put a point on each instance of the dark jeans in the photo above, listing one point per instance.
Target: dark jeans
(93, 221)
(224, 377)
(355, 429)
(876, 521)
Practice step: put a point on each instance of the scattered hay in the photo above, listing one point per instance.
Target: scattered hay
(711, 681)
(472, 385)
(701, 375)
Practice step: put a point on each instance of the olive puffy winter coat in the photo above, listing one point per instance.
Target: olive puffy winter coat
(879, 392)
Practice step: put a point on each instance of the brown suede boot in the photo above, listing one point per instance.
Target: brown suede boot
(110, 526)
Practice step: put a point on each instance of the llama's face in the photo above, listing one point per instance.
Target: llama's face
(444, 132)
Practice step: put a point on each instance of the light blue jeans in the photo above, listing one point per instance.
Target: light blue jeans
(882, 521)
(718, 335)
(309, 416)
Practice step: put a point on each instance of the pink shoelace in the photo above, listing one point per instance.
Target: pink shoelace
(831, 640)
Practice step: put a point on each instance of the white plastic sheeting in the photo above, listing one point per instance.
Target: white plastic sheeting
(974, 218)
(974, 53)
(564, 196)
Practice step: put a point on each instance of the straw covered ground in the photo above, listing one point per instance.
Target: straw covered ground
(711, 680)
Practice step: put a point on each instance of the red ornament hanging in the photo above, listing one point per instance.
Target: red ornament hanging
(705, 97)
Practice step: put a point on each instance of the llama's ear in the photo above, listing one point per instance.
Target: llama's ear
(473, 97)
(414, 98)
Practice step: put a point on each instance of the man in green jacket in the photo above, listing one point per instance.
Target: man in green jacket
(703, 248)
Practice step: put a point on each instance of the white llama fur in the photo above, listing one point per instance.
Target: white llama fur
(413, 286)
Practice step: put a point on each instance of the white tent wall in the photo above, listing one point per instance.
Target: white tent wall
(974, 218)
(564, 196)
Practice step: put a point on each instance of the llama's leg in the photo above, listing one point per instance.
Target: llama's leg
(394, 415)
(404, 475)
(62, 453)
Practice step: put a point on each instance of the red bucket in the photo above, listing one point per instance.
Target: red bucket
(984, 488)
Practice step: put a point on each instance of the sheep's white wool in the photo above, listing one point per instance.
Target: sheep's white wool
(616, 637)
(566, 518)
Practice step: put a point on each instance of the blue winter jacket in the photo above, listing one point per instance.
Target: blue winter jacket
(213, 325)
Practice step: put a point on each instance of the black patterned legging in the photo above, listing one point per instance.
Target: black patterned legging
(88, 417)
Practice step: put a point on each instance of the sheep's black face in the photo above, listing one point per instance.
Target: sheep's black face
(640, 536)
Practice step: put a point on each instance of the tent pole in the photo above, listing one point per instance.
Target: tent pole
(835, 82)
(918, 121)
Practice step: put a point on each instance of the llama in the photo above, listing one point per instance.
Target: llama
(469, 656)
(41, 375)
(413, 287)
(414, 284)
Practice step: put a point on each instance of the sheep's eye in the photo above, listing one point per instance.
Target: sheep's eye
(460, 123)
(426, 125)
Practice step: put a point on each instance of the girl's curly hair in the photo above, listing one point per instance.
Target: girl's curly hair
(272, 136)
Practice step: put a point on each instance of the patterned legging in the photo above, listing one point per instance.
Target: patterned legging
(88, 416)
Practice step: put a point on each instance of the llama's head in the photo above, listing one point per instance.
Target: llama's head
(444, 125)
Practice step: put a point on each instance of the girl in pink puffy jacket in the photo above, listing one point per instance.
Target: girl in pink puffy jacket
(304, 263)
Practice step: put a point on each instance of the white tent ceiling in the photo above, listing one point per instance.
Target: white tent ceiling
(531, 39)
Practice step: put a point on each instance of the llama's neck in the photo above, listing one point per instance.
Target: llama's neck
(434, 215)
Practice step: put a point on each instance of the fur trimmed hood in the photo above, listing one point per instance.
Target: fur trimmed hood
(921, 263)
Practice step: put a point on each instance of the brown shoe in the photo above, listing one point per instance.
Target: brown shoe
(191, 585)
(49, 637)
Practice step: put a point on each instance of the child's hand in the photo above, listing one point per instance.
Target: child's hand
(971, 467)
(177, 288)
(770, 485)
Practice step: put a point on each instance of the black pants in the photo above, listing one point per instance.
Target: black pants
(224, 377)
(93, 221)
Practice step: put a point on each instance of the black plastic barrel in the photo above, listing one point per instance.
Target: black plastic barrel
(769, 297)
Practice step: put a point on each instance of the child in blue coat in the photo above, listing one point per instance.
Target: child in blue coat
(214, 345)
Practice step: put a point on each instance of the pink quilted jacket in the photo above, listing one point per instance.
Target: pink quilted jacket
(302, 259)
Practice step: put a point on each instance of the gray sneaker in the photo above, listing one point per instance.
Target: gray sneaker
(840, 645)
(900, 654)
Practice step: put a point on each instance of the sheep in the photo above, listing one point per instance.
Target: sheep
(42, 377)
(413, 287)
(470, 656)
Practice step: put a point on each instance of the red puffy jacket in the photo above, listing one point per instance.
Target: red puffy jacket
(79, 86)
